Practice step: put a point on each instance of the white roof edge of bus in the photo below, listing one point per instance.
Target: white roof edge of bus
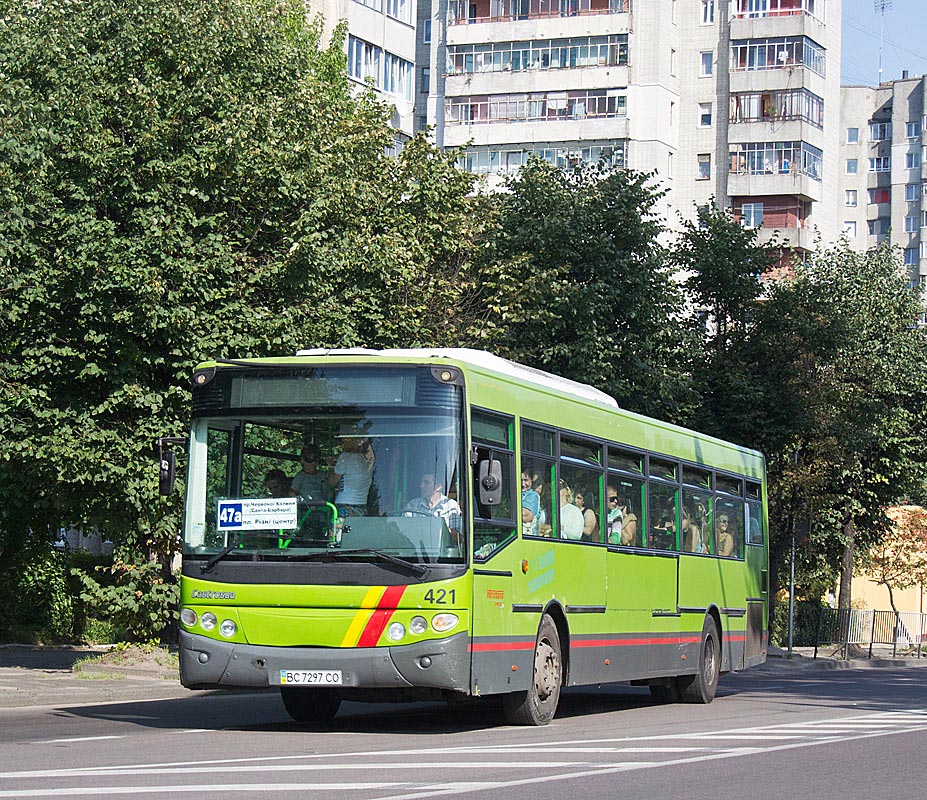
(480, 358)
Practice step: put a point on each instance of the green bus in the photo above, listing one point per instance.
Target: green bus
(441, 524)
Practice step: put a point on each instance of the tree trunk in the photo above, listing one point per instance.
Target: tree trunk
(846, 565)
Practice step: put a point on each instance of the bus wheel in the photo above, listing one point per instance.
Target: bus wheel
(701, 687)
(310, 705)
(538, 705)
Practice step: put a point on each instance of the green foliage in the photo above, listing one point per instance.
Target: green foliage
(179, 181)
(804, 624)
(139, 600)
(577, 284)
(36, 601)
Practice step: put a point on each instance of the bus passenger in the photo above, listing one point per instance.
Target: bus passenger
(725, 537)
(691, 533)
(571, 518)
(278, 484)
(590, 520)
(530, 506)
(309, 482)
(353, 474)
(432, 502)
(629, 522)
(614, 518)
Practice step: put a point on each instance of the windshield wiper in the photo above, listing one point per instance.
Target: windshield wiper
(415, 569)
(217, 558)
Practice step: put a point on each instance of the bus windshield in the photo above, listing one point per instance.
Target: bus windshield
(327, 465)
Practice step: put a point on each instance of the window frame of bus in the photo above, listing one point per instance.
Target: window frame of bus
(724, 492)
(619, 466)
(549, 459)
(593, 465)
(754, 503)
(505, 454)
(665, 481)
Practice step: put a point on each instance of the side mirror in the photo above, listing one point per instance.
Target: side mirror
(489, 482)
(168, 470)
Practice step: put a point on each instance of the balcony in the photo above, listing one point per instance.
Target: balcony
(468, 12)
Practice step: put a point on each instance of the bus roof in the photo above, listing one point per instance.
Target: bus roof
(480, 358)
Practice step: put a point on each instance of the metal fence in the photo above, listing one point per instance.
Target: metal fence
(863, 628)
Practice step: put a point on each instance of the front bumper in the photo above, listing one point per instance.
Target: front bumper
(210, 664)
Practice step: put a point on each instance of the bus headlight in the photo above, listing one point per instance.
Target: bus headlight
(188, 617)
(418, 625)
(208, 621)
(228, 628)
(444, 622)
(396, 631)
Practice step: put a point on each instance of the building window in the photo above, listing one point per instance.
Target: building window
(910, 256)
(777, 105)
(880, 226)
(880, 131)
(364, 60)
(400, 9)
(770, 158)
(877, 196)
(880, 164)
(912, 160)
(425, 86)
(783, 52)
(852, 135)
(706, 63)
(506, 158)
(910, 192)
(910, 224)
(672, 68)
(753, 9)
(704, 115)
(752, 215)
(708, 12)
(851, 197)
(518, 56)
(704, 166)
(397, 76)
(849, 228)
(426, 31)
(914, 130)
(924, 249)
(537, 107)
(852, 166)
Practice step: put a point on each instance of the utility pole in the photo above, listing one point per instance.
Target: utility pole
(880, 8)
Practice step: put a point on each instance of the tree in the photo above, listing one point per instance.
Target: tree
(899, 561)
(182, 180)
(577, 284)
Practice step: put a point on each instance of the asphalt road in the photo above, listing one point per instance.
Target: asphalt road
(772, 732)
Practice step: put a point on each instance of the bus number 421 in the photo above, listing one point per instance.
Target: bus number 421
(440, 597)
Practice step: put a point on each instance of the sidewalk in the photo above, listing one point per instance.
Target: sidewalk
(826, 659)
(43, 676)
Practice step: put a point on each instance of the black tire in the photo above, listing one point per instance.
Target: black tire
(701, 687)
(538, 705)
(310, 705)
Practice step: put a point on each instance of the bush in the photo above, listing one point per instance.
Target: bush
(37, 603)
(805, 628)
(135, 598)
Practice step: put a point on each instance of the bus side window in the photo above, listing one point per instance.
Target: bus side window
(536, 477)
(662, 516)
(493, 525)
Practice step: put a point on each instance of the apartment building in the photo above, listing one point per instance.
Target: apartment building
(727, 99)
(381, 47)
(883, 175)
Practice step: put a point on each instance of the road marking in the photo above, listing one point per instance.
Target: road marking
(81, 739)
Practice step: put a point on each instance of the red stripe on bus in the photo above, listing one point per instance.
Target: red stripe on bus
(381, 617)
(637, 642)
(500, 646)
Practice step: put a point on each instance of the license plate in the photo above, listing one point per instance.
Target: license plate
(310, 677)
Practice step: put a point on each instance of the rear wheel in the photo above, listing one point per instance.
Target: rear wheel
(701, 687)
(310, 705)
(538, 705)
